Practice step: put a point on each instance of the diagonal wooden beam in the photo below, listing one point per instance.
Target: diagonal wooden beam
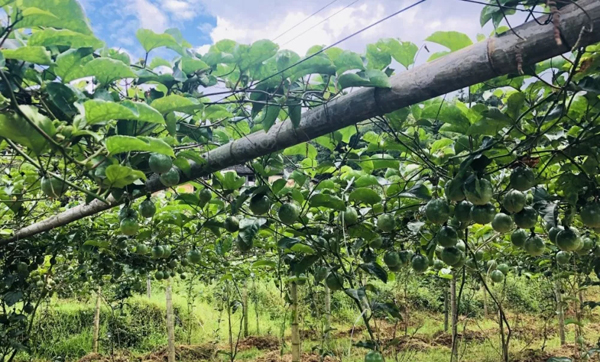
(530, 43)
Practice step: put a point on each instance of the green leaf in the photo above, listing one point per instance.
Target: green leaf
(268, 116)
(120, 144)
(120, 176)
(418, 191)
(365, 195)
(63, 97)
(348, 60)
(52, 37)
(97, 110)
(452, 40)
(31, 54)
(61, 14)
(12, 297)
(176, 103)
(20, 131)
(216, 112)
(366, 180)
(266, 263)
(369, 78)
(403, 52)
(105, 70)
(191, 65)
(375, 270)
(151, 40)
(319, 64)
(302, 149)
(258, 52)
(302, 248)
(71, 62)
(295, 113)
(441, 143)
(328, 201)
(378, 58)
(231, 181)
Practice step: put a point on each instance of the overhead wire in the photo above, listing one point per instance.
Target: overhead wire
(303, 21)
(321, 22)
(342, 40)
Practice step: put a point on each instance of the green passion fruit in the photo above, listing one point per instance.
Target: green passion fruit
(553, 232)
(288, 213)
(563, 257)
(334, 282)
(260, 204)
(587, 245)
(147, 208)
(522, 178)
(52, 187)
(194, 256)
(129, 226)
(447, 236)
(386, 223)
(478, 191)
(350, 216)
(514, 201)
(451, 255)
(419, 263)
(502, 223)
(590, 215)
(526, 218)
(462, 211)
(504, 268)
(454, 190)
(391, 258)
(534, 245)
(568, 240)
(231, 224)
(483, 214)
(160, 163)
(497, 276)
(205, 196)
(170, 178)
(437, 211)
(141, 249)
(320, 274)
(158, 252)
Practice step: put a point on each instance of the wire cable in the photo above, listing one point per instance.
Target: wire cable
(301, 22)
(342, 40)
(321, 22)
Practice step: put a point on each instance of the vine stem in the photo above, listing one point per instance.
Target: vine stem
(32, 161)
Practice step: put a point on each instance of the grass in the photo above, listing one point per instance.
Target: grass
(140, 330)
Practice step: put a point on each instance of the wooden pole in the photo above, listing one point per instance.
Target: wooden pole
(295, 328)
(170, 324)
(560, 313)
(480, 62)
(454, 316)
(245, 308)
(327, 313)
(148, 287)
(96, 333)
(446, 308)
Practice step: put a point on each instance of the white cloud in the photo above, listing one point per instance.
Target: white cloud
(244, 22)
(149, 15)
(179, 9)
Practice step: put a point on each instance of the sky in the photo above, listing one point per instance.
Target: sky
(203, 22)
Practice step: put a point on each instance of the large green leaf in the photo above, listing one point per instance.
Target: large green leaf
(302, 149)
(120, 176)
(105, 70)
(369, 78)
(452, 40)
(17, 129)
(328, 201)
(176, 103)
(31, 54)
(190, 65)
(98, 110)
(151, 40)
(257, 53)
(64, 37)
(403, 52)
(348, 60)
(120, 144)
(62, 14)
(365, 195)
(71, 62)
